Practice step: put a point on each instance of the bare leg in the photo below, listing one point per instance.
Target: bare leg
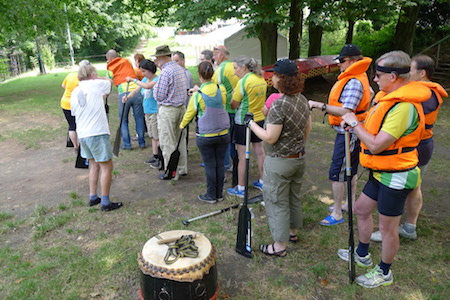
(155, 144)
(338, 196)
(106, 176)
(94, 170)
(389, 231)
(363, 209)
(413, 205)
(241, 166)
(260, 155)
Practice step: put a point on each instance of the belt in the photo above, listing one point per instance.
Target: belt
(295, 155)
(223, 132)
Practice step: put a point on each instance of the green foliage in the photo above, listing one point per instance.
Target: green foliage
(374, 43)
(48, 57)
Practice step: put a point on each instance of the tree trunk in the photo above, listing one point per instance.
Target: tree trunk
(295, 32)
(268, 36)
(406, 29)
(315, 39)
(349, 36)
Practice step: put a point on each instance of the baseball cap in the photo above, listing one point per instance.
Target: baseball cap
(349, 50)
(284, 66)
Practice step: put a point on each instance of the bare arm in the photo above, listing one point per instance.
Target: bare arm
(375, 143)
(234, 104)
(308, 128)
(270, 135)
(331, 109)
(130, 95)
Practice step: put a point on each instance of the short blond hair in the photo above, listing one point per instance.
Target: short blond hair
(85, 72)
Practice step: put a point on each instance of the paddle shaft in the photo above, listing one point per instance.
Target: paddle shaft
(351, 242)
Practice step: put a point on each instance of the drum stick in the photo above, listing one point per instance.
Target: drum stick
(173, 239)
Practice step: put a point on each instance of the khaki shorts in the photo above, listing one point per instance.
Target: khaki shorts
(152, 125)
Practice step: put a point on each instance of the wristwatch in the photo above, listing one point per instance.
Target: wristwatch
(324, 107)
(353, 124)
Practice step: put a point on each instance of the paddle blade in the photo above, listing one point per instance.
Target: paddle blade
(116, 147)
(244, 235)
(81, 163)
(171, 170)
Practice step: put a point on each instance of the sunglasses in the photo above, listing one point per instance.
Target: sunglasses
(344, 59)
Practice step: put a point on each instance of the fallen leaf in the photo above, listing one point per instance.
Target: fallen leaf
(324, 282)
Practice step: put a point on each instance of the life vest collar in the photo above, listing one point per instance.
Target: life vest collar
(358, 67)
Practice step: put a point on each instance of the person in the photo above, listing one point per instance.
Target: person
(269, 101)
(389, 137)
(351, 93)
(138, 57)
(148, 69)
(207, 55)
(179, 58)
(69, 84)
(93, 130)
(422, 69)
(224, 74)
(207, 104)
(170, 93)
(285, 133)
(119, 69)
(248, 96)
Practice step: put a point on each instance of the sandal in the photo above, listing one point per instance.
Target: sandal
(293, 238)
(265, 249)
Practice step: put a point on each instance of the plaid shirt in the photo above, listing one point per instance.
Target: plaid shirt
(350, 97)
(293, 113)
(171, 88)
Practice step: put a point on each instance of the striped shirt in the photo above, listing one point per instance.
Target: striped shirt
(171, 88)
(351, 95)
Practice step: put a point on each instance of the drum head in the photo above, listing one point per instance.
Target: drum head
(187, 269)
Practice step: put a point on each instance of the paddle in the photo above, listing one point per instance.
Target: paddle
(172, 165)
(116, 147)
(244, 234)
(351, 242)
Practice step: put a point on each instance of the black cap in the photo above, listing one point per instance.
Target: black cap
(349, 50)
(285, 66)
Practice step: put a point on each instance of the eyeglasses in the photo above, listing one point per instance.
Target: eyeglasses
(344, 59)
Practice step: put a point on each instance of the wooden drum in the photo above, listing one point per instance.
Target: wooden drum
(187, 278)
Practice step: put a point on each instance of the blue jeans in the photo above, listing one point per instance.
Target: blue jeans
(231, 149)
(213, 151)
(138, 111)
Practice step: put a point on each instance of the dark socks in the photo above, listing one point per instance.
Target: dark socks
(363, 249)
(385, 267)
(93, 197)
(156, 156)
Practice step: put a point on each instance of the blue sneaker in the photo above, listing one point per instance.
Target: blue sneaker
(258, 185)
(236, 192)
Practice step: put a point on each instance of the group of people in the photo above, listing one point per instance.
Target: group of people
(392, 138)
(390, 135)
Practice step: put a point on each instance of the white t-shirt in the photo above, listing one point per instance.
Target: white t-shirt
(87, 106)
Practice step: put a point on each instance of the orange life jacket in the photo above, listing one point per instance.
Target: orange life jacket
(431, 117)
(121, 68)
(402, 154)
(357, 71)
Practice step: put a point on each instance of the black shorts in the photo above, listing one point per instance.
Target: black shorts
(239, 134)
(338, 162)
(390, 202)
(70, 119)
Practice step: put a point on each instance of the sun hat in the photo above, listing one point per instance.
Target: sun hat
(163, 50)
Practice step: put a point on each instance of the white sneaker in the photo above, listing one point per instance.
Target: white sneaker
(364, 262)
(376, 237)
(375, 278)
(402, 232)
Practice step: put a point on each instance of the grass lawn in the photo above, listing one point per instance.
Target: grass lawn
(71, 251)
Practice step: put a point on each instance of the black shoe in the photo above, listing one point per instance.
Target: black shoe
(219, 199)
(112, 206)
(95, 202)
(156, 164)
(206, 199)
(164, 177)
(151, 160)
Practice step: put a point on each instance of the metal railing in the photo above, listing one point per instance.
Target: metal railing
(438, 44)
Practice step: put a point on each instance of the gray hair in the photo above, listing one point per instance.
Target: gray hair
(85, 72)
(84, 62)
(249, 62)
(396, 59)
